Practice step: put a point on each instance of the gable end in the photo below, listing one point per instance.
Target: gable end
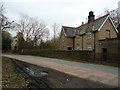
(111, 23)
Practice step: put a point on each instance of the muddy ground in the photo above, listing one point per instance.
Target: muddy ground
(41, 77)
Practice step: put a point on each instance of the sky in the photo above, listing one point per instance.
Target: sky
(119, 8)
(64, 12)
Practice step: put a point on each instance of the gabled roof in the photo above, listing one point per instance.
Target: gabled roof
(95, 25)
(69, 31)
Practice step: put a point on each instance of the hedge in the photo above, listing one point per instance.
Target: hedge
(78, 55)
(89, 56)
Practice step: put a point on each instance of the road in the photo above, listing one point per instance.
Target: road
(100, 73)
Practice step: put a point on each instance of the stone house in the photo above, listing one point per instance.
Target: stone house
(14, 45)
(93, 35)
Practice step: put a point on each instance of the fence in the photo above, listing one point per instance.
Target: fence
(105, 58)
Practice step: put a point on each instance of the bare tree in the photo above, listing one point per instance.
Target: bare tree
(114, 15)
(5, 24)
(56, 30)
(33, 30)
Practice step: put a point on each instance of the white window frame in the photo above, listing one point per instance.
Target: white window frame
(89, 34)
(89, 46)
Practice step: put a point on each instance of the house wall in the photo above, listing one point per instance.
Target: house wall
(80, 42)
(77, 44)
(97, 47)
(111, 45)
(65, 42)
(100, 35)
(103, 34)
(86, 41)
(69, 43)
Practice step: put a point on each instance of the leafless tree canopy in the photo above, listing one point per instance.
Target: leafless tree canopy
(114, 14)
(5, 24)
(32, 29)
(56, 30)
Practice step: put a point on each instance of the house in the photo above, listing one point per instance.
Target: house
(95, 35)
(14, 45)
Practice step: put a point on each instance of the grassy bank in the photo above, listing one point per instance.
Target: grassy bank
(10, 78)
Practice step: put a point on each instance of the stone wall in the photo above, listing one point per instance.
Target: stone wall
(111, 45)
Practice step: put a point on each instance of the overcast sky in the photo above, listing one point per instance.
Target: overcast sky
(65, 12)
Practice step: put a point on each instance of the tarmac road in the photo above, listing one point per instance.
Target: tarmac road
(100, 73)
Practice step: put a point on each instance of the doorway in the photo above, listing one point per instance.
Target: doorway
(104, 51)
(69, 48)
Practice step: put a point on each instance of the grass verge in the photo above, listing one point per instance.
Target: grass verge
(10, 78)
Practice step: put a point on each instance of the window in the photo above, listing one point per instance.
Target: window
(89, 35)
(107, 33)
(89, 47)
(77, 46)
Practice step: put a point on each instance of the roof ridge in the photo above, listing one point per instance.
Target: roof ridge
(101, 17)
(69, 27)
(94, 20)
(82, 25)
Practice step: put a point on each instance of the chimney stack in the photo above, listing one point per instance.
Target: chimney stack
(82, 23)
(91, 17)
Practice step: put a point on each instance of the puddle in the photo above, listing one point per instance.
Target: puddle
(44, 73)
(31, 72)
(36, 73)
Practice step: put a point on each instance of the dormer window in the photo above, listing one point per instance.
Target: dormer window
(89, 35)
(77, 32)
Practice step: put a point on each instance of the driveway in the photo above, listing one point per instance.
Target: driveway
(100, 73)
